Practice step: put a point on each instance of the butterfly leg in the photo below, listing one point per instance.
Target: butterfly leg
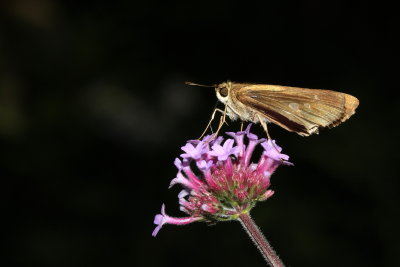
(222, 120)
(264, 125)
(212, 118)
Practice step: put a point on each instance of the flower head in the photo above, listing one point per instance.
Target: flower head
(220, 181)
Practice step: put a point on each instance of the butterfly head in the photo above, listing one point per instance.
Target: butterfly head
(223, 90)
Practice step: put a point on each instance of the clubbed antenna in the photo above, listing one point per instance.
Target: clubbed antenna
(201, 85)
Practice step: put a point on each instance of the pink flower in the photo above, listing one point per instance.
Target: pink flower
(163, 218)
(220, 182)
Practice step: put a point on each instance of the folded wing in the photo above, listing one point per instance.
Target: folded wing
(299, 110)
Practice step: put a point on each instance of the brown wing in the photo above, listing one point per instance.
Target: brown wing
(299, 110)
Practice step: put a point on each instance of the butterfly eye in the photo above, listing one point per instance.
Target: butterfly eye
(223, 92)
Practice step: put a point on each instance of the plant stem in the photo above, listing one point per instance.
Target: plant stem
(260, 241)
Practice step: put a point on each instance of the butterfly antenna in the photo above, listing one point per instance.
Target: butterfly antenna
(201, 85)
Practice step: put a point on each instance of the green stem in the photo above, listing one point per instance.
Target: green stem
(260, 241)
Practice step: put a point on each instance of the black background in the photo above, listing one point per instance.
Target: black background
(93, 111)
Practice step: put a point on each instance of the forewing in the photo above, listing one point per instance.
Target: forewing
(297, 109)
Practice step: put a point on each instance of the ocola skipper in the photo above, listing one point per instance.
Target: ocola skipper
(300, 110)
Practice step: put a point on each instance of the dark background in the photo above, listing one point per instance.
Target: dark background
(93, 111)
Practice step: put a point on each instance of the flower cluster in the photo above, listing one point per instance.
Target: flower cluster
(220, 182)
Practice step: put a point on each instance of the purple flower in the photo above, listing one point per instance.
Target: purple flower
(250, 135)
(204, 165)
(239, 137)
(223, 182)
(181, 179)
(193, 152)
(211, 139)
(180, 164)
(272, 150)
(223, 152)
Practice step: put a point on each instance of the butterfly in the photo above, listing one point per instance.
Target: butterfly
(300, 110)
